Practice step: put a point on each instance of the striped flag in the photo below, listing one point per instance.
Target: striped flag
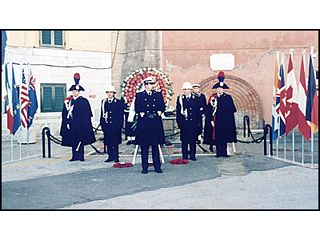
(282, 108)
(312, 99)
(291, 98)
(303, 126)
(24, 101)
(276, 100)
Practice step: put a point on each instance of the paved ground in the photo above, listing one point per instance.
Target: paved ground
(247, 180)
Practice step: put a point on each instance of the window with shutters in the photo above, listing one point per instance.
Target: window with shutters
(52, 97)
(51, 38)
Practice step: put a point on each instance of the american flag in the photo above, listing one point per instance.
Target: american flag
(24, 100)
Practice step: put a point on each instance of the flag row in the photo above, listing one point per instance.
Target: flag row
(295, 103)
(20, 104)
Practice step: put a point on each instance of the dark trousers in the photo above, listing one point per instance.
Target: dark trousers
(113, 152)
(78, 155)
(221, 147)
(155, 157)
(186, 151)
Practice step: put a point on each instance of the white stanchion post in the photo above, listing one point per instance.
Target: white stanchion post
(234, 147)
(135, 154)
(160, 152)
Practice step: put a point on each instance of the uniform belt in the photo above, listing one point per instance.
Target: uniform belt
(151, 115)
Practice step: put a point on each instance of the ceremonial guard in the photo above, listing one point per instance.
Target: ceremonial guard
(188, 120)
(220, 125)
(111, 121)
(202, 103)
(76, 127)
(149, 105)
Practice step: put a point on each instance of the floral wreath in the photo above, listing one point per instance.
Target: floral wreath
(133, 84)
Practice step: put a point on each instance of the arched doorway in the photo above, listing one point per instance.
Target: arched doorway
(244, 96)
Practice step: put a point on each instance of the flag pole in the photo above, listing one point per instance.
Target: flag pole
(20, 130)
(28, 79)
(285, 147)
(293, 145)
(311, 149)
(302, 144)
(278, 117)
(302, 152)
(11, 146)
(277, 143)
(311, 52)
(20, 139)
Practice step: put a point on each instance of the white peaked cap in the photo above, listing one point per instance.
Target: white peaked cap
(110, 88)
(186, 85)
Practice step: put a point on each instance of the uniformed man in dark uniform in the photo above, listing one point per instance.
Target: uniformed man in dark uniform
(111, 121)
(203, 103)
(149, 105)
(76, 127)
(188, 120)
(224, 121)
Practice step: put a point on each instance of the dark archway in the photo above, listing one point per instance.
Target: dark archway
(244, 96)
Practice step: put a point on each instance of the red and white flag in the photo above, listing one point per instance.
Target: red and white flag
(24, 101)
(303, 125)
(292, 98)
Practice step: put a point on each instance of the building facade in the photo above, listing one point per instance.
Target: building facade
(104, 57)
(54, 57)
(186, 57)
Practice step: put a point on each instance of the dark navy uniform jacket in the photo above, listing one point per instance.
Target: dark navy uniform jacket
(189, 122)
(149, 127)
(203, 104)
(225, 126)
(202, 101)
(111, 120)
(76, 123)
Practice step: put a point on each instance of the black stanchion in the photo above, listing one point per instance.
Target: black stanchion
(267, 129)
(270, 131)
(265, 132)
(246, 122)
(49, 142)
(44, 141)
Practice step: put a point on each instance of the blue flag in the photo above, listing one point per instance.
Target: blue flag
(312, 99)
(33, 100)
(3, 45)
(15, 105)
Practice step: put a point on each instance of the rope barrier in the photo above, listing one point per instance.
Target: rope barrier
(50, 137)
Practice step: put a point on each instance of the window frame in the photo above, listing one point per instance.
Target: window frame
(52, 44)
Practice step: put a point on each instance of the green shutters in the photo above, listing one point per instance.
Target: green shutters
(50, 38)
(58, 41)
(46, 38)
(52, 97)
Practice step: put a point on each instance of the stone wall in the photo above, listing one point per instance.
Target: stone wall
(135, 49)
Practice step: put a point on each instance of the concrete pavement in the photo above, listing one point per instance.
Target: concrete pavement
(247, 180)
